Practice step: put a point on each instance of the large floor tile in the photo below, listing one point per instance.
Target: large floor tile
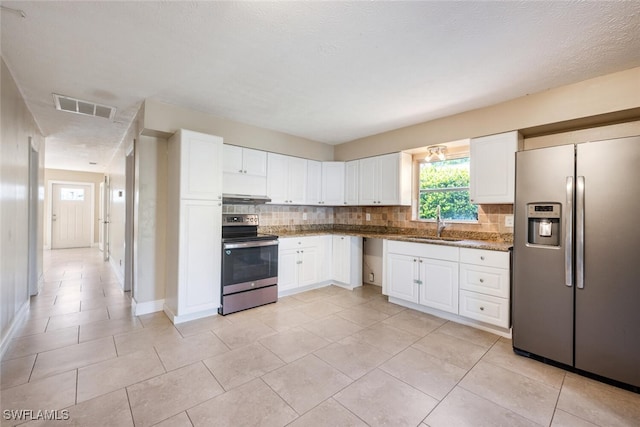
(146, 338)
(155, 320)
(105, 328)
(382, 400)
(352, 357)
(462, 408)
(113, 374)
(529, 398)
(38, 343)
(188, 350)
(477, 336)
(306, 382)
(386, 338)
(164, 396)
(599, 403)
(384, 307)
(32, 326)
(55, 310)
(52, 393)
(428, 374)
(311, 295)
(293, 344)
(414, 322)
(501, 354)
(328, 413)
(179, 420)
(242, 365)
(283, 320)
(16, 371)
(251, 404)
(565, 419)
(319, 309)
(363, 316)
(73, 357)
(79, 318)
(109, 410)
(347, 300)
(237, 335)
(452, 350)
(332, 328)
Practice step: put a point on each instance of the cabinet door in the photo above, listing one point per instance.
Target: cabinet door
(314, 183)
(254, 162)
(402, 276)
(297, 180)
(200, 166)
(277, 176)
(232, 157)
(333, 183)
(439, 287)
(351, 183)
(308, 272)
(388, 178)
(492, 174)
(199, 256)
(368, 172)
(288, 269)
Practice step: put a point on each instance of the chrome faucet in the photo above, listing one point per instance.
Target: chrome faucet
(440, 224)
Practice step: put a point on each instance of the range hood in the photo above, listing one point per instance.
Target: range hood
(244, 199)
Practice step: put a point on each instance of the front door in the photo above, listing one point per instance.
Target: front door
(71, 216)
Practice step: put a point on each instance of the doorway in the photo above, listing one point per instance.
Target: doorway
(71, 215)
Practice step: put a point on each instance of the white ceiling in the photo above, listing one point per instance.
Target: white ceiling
(327, 71)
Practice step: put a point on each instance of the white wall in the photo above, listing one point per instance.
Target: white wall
(17, 126)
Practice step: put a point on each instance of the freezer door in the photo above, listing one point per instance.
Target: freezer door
(542, 301)
(607, 336)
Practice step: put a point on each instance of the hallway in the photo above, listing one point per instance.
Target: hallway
(326, 357)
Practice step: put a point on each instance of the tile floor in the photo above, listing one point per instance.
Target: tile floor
(326, 357)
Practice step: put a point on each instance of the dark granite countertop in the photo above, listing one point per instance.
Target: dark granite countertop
(460, 239)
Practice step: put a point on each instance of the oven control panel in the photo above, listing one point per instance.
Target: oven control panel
(239, 219)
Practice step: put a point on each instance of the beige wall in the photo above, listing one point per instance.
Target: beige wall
(17, 125)
(619, 130)
(167, 119)
(73, 176)
(601, 95)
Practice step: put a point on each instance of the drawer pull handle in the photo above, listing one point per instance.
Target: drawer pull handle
(481, 308)
(482, 258)
(481, 280)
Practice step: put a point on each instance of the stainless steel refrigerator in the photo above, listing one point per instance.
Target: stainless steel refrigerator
(576, 257)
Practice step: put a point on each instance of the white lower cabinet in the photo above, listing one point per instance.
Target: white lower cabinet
(346, 260)
(423, 274)
(299, 262)
(485, 286)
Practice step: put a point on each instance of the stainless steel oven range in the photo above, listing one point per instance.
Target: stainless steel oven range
(249, 264)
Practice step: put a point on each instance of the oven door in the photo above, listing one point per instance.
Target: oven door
(249, 265)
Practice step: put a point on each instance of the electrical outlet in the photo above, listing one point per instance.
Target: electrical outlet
(367, 217)
(508, 221)
(304, 216)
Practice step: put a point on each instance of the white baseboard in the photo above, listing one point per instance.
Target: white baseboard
(141, 308)
(187, 317)
(18, 320)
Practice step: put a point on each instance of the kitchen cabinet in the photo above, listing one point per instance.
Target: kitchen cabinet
(485, 286)
(346, 260)
(423, 274)
(492, 168)
(332, 183)
(351, 182)
(244, 171)
(299, 262)
(314, 183)
(385, 180)
(194, 225)
(286, 179)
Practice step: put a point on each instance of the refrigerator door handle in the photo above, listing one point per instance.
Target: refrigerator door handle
(568, 235)
(580, 232)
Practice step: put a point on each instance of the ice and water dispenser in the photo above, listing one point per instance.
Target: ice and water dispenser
(543, 224)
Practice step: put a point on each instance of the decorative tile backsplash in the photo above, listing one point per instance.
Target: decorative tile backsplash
(490, 225)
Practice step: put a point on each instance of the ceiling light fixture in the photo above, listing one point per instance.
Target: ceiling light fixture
(87, 108)
(438, 152)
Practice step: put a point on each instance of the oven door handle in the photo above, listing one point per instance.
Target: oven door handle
(250, 244)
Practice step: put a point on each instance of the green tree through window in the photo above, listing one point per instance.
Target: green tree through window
(446, 183)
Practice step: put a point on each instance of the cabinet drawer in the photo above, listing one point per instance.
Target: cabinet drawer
(484, 257)
(486, 280)
(298, 242)
(484, 308)
(423, 250)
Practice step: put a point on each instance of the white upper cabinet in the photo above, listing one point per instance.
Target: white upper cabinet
(385, 180)
(244, 171)
(200, 165)
(493, 167)
(286, 179)
(351, 182)
(332, 183)
(314, 183)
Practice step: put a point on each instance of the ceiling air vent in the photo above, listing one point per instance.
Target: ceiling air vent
(87, 108)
